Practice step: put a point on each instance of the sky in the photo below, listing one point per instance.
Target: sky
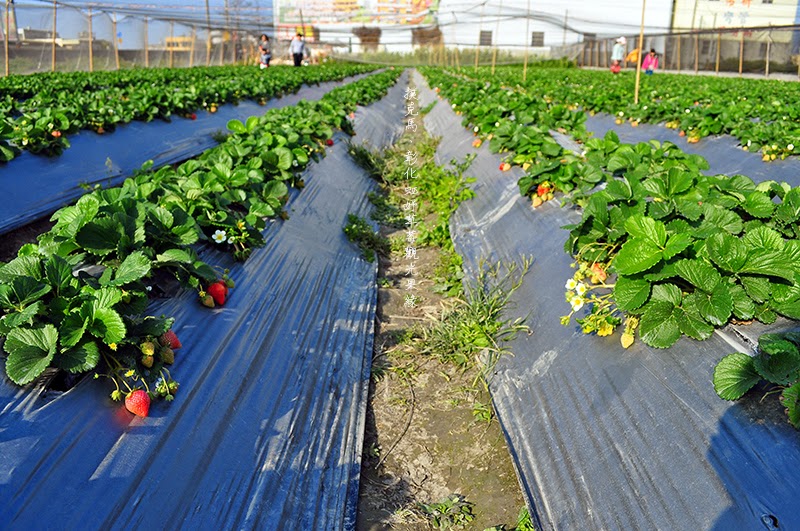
(460, 20)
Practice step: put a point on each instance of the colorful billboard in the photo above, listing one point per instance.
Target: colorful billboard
(356, 12)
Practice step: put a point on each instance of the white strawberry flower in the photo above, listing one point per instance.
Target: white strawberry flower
(497, 124)
(774, 146)
(454, 106)
(219, 236)
(580, 289)
(230, 240)
(576, 303)
(790, 147)
(687, 111)
(571, 284)
(620, 113)
(476, 129)
(749, 142)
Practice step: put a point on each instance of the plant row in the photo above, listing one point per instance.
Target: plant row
(76, 300)
(688, 252)
(39, 111)
(761, 114)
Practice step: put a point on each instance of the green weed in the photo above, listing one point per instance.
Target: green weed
(359, 231)
(474, 324)
(453, 512)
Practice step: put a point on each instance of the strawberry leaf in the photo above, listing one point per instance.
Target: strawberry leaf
(734, 375)
(30, 351)
(648, 229)
(698, 273)
(135, 266)
(636, 256)
(81, 358)
(791, 401)
(630, 294)
(659, 326)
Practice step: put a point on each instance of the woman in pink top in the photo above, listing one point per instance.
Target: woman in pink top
(650, 62)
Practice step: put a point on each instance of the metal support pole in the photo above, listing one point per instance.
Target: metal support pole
(146, 46)
(171, 43)
(496, 35)
(115, 39)
(719, 44)
(53, 51)
(191, 51)
(696, 53)
(5, 41)
(527, 32)
(208, 37)
(91, 43)
(679, 52)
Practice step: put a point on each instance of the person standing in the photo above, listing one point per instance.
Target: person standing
(264, 51)
(650, 62)
(618, 54)
(297, 48)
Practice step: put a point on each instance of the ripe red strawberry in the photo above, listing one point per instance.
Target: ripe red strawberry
(542, 189)
(194, 116)
(218, 292)
(329, 142)
(138, 403)
(169, 339)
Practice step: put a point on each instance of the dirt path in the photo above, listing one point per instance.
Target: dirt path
(434, 455)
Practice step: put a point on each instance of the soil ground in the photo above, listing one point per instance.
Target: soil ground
(431, 432)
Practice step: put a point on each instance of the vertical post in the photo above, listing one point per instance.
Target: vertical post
(719, 44)
(741, 51)
(696, 52)
(53, 51)
(171, 43)
(480, 30)
(91, 43)
(639, 60)
(146, 46)
(566, 17)
(666, 43)
(680, 38)
(115, 39)
(604, 53)
(527, 33)
(496, 35)
(769, 42)
(5, 43)
(191, 49)
(230, 31)
(208, 37)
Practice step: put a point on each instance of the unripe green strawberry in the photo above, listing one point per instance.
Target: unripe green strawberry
(147, 361)
(207, 300)
(148, 348)
(230, 283)
(172, 385)
(167, 355)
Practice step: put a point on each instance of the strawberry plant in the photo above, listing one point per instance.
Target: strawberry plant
(777, 362)
(42, 109)
(76, 300)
